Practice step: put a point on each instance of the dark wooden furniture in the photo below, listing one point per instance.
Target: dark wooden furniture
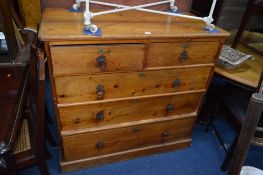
(142, 99)
(246, 77)
(247, 115)
(22, 107)
(251, 123)
(23, 116)
(253, 7)
(230, 83)
(12, 104)
(35, 115)
(246, 138)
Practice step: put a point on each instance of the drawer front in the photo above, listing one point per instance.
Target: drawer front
(100, 114)
(178, 54)
(68, 60)
(91, 144)
(108, 86)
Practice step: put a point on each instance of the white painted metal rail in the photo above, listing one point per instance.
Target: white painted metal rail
(88, 15)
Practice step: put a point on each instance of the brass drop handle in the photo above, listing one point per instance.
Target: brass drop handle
(170, 108)
(101, 62)
(100, 116)
(100, 145)
(183, 56)
(165, 133)
(100, 91)
(177, 83)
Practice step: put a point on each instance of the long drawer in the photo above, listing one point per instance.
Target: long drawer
(84, 59)
(102, 114)
(124, 155)
(109, 86)
(85, 145)
(178, 54)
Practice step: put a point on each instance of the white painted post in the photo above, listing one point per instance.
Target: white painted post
(212, 9)
(129, 8)
(87, 14)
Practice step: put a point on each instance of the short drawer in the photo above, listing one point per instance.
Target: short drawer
(178, 54)
(85, 145)
(102, 114)
(84, 59)
(120, 85)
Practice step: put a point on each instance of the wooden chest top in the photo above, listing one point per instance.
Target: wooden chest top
(61, 24)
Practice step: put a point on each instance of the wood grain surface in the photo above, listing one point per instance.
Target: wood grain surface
(84, 88)
(62, 25)
(169, 54)
(123, 139)
(248, 73)
(67, 166)
(68, 60)
(87, 116)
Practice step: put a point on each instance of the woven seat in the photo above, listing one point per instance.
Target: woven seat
(22, 143)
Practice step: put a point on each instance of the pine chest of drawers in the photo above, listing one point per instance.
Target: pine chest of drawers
(133, 91)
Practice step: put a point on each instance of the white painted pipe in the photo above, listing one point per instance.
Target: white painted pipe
(173, 14)
(87, 5)
(128, 8)
(121, 6)
(212, 8)
(148, 10)
(172, 3)
(88, 15)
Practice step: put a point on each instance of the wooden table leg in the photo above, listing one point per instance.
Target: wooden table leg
(253, 114)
